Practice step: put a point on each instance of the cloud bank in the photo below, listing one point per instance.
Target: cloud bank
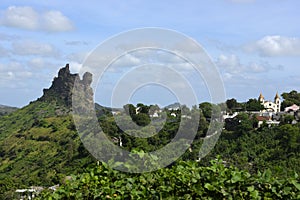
(25, 17)
(275, 45)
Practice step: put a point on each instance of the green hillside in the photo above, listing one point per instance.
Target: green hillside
(39, 144)
(38, 150)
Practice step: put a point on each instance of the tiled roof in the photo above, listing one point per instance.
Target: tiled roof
(262, 118)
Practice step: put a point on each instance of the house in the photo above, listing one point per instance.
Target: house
(267, 119)
(186, 116)
(155, 114)
(229, 115)
(32, 192)
(293, 108)
(114, 113)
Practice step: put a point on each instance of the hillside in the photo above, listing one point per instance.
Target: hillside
(39, 144)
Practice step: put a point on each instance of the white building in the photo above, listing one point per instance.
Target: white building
(228, 115)
(270, 106)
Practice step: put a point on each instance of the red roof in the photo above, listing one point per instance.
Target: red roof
(262, 118)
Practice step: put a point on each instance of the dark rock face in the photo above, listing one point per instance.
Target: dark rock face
(62, 87)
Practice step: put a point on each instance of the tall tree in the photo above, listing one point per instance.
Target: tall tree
(206, 109)
(254, 105)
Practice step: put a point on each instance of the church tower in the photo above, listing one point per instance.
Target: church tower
(261, 98)
(277, 101)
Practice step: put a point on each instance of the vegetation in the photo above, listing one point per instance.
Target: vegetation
(275, 148)
(250, 105)
(39, 146)
(185, 180)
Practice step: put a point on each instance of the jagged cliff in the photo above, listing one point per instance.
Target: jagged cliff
(62, 87)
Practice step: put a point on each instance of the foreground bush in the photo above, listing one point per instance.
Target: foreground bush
(185, 180)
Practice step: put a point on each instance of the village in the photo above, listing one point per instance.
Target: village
(271, 114)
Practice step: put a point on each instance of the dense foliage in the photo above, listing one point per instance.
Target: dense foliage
(274, 148)
(250, 105)
(185, 180)
(241, 144)
(39, 145)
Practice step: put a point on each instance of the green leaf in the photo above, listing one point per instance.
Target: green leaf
(250, 188)
(209, 186)
(286, 190)
(297, 185)
(236, 176)
(254, 194)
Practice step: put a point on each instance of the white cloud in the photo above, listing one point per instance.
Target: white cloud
(275, 46)
(34, 48)
(55, 21)
(33, 75)
(42, 64)
(12, 66)
(145, 57)
(25, 17)
(21, 17)
(36, 63)
(128, 60)
(75, 67)
(13, 75)
(231, 65)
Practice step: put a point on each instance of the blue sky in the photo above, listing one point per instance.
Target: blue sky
(255, 44)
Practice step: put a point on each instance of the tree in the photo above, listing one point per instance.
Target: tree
(142, 108)
(206, 109)
(141, 119)
(129, 109)
(232, 103)
(289, 136)
(245, 124)
(287, 119)
(254, 105)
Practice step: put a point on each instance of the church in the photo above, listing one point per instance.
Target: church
(270, 106)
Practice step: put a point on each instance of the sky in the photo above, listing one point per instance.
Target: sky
(254, 44)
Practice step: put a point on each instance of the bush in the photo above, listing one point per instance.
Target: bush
(185, 180)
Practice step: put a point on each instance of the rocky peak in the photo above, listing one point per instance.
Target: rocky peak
(62, 87)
